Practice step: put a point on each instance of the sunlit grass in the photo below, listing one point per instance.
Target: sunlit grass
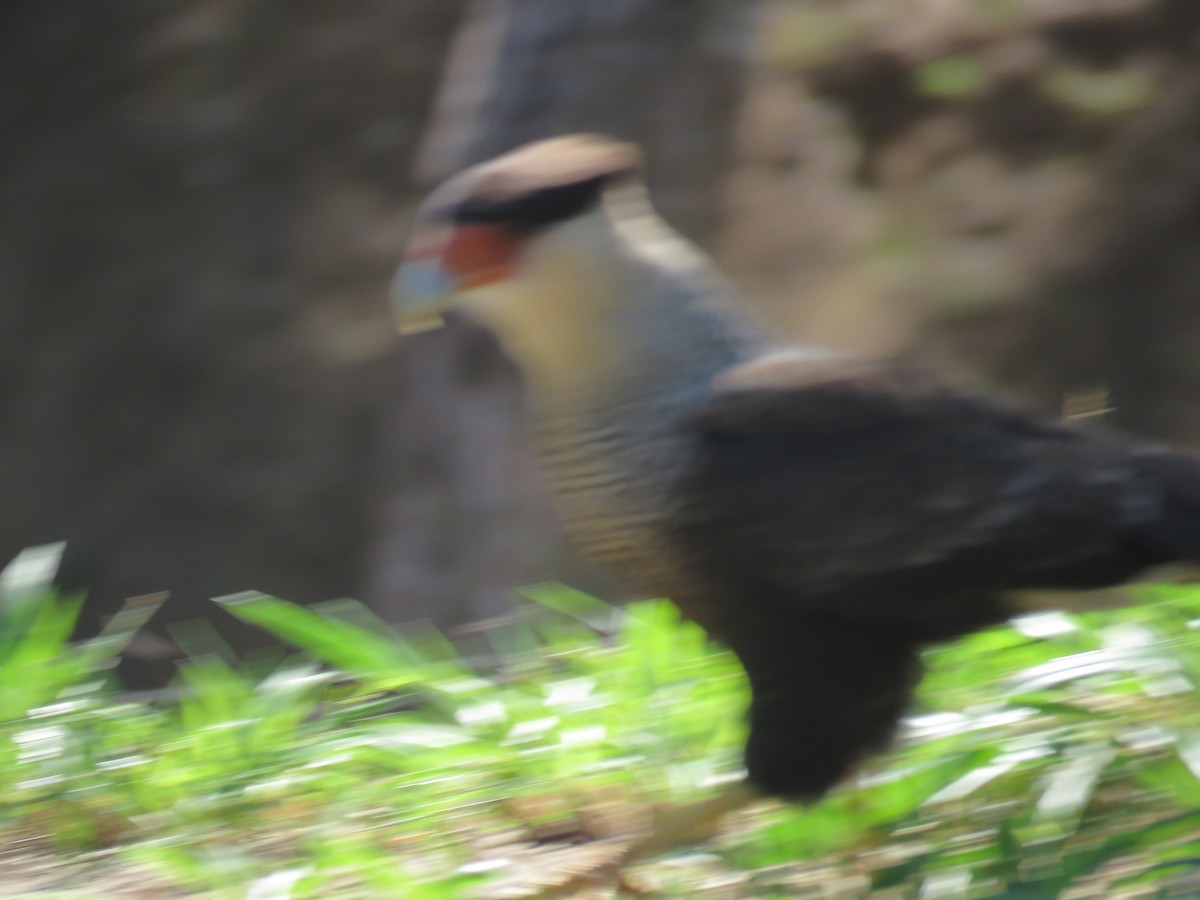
(1055, 756)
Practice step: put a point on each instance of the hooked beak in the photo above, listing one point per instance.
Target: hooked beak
(421, 290)
(438, 270)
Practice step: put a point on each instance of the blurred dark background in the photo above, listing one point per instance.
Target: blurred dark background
(203, 202)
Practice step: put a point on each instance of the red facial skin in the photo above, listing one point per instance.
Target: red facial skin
(476, 255)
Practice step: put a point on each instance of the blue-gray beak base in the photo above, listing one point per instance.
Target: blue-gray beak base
(419, 294)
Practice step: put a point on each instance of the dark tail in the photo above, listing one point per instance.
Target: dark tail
(1174, 535)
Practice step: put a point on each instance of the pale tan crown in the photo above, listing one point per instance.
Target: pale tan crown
(539, 180)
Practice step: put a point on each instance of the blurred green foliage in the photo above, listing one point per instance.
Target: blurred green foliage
(1060, 754)
(1102, 94)
(955, 76)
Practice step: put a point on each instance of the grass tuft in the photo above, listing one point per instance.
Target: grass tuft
(1059, 756)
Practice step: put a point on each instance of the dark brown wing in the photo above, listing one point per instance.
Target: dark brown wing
(836, 486)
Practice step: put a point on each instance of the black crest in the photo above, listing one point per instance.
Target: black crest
(544, 183)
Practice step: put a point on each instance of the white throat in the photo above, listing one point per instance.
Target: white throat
(562, 314)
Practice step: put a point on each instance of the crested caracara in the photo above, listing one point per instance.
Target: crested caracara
(824, 517)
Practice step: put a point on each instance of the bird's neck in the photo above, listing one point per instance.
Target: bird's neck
(609, 301)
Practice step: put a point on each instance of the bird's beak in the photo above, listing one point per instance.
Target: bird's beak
(438, 270)
(422, 288)
(421, 291)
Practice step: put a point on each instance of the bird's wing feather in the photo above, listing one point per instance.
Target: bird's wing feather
(838, 484)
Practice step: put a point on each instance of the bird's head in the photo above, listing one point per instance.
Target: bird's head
(488, 240)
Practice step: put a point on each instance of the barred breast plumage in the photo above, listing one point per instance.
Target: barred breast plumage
(609, 466)
(612, 453)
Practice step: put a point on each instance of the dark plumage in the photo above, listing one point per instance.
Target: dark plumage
(824, 517)
(871, 511)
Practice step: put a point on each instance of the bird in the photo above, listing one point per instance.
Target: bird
(825, 517)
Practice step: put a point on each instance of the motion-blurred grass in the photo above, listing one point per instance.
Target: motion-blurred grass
(1059, 757)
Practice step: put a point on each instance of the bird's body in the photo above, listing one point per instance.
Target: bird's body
(824, 517)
